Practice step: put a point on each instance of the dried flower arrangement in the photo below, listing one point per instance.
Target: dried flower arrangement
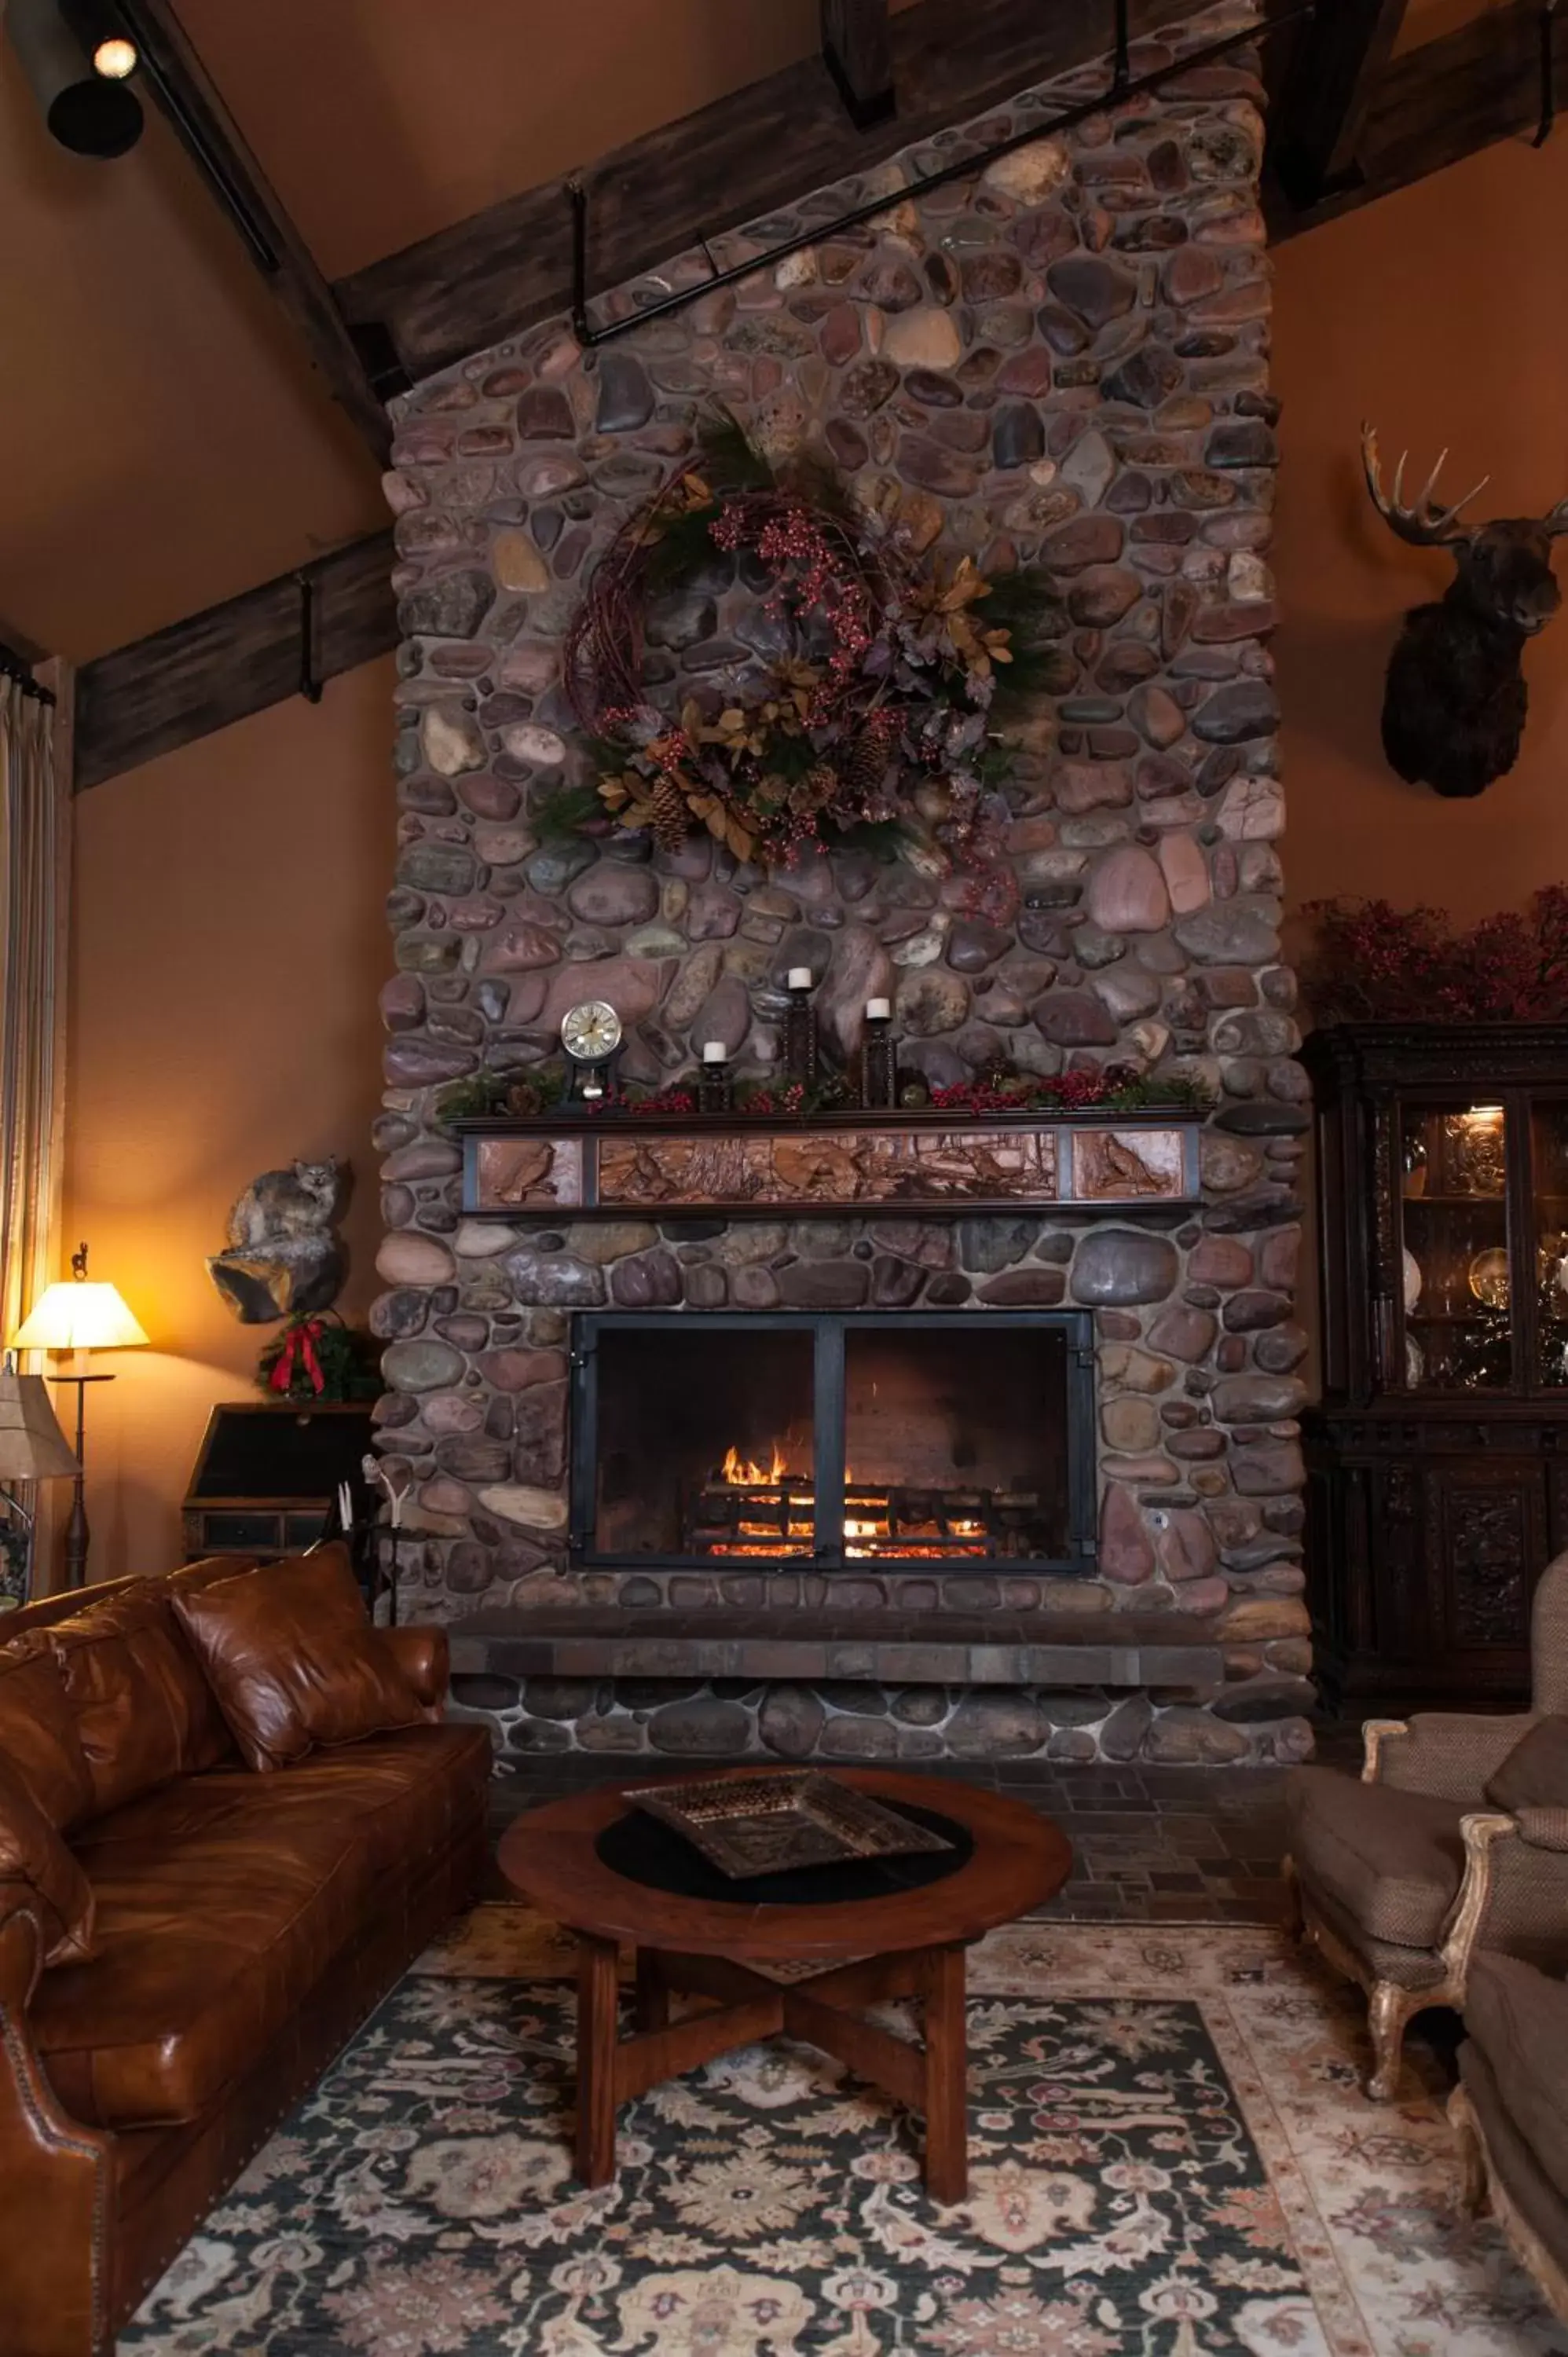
(883, 715)
(1371, 963)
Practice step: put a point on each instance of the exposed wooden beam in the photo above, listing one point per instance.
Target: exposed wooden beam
(1316, 122)
(177, 79)
(858, 54)
(233, 660)
(1435, 104)
(483, 279)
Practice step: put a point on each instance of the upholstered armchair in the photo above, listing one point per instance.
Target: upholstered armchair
(1399, 1878)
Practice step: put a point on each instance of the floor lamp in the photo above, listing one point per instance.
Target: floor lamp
(32, 1448)
(81, 1316)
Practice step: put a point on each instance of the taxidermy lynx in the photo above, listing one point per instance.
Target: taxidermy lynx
(283, 1258)
(284, 1206)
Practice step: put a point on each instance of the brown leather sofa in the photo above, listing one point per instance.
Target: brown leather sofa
(244, 1926)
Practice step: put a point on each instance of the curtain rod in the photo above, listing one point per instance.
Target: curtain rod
(14, 667)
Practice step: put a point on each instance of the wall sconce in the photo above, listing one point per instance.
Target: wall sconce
(78, 76)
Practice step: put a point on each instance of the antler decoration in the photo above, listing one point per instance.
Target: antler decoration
(1423, 523)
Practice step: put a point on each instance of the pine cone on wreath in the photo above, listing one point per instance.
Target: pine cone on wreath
(866, 764)
(671, 818)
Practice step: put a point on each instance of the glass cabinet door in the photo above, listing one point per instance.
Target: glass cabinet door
(1454, 1229)
(1548, 1220)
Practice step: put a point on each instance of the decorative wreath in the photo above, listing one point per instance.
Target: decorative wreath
(883, 714)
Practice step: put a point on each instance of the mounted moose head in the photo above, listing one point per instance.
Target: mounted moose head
(1454, 703)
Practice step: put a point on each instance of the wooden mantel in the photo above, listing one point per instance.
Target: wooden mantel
(614, 1165)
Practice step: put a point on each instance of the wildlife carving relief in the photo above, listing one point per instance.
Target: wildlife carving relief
(1454, 698)
(284, 1257)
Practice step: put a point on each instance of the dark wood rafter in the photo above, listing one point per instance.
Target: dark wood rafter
(174, 78)
(235, 659)
(1337, 59)
(858, 54)
(468, 286)
(1436, 103)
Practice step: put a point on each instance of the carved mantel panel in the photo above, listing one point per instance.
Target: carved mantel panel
(826, 1165)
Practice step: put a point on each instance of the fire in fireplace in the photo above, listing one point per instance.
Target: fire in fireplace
(834, 1439)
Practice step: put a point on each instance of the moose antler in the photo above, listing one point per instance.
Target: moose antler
(1424, 524)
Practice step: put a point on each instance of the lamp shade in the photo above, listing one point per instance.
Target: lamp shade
(32, 1446)
(78, 1315)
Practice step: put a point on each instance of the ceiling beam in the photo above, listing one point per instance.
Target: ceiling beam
(483, 279)
(181, 85)
(234, 659)
(1315, 124)
(1435, 104)
(858, 54)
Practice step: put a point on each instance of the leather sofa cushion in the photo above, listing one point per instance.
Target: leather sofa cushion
(208, 1943)
(1393, 1860)
(291, 1654)
(1518, 2018)
(402, 1795)
(222, 1899)
(37, 1733)
(1535, 1774)
(144, 1711)
(32, 1853)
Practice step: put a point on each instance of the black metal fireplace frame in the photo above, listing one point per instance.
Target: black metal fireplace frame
(829, 1328)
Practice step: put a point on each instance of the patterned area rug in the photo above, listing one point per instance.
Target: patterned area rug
(1169, 2156)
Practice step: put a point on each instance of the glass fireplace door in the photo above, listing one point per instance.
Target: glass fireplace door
(696, 1439)
(844, 1440)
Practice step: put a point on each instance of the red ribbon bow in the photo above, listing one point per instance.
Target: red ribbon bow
(299, 1351)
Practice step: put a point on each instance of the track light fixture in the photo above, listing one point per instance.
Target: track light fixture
(76, 68)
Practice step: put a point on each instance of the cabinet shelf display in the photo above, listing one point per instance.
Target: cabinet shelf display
(1438, 1459)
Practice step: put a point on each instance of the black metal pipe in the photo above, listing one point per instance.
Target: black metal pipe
(590, 337)
(309, 676)
(1548, 74)
(193, 136)
(1121, 62)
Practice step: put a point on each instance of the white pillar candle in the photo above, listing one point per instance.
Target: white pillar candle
(799, 977)
(878, 1010)
(712, 1051)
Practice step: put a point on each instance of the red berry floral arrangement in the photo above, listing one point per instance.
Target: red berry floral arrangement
(1371, 963)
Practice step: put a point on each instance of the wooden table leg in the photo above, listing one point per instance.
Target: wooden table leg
(947, 2077)
(652, 2008)
(597, 2035)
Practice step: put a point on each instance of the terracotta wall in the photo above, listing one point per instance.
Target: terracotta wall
(1439, 315)
(228, 938)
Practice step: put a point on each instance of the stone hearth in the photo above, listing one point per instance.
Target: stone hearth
(1062, 360)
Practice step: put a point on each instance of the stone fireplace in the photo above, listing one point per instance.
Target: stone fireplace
(1026, 1478)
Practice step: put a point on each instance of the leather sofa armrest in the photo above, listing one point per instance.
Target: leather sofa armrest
(21, 1948)
(425, 1658)
(55, 2251)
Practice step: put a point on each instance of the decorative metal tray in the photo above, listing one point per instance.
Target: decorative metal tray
(770, 1821)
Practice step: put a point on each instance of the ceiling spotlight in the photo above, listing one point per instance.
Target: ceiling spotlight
(91, 112)
(115, 58)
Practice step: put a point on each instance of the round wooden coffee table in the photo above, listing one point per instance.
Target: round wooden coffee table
(903, 1943)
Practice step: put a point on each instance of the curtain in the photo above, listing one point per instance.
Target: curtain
(34, 878)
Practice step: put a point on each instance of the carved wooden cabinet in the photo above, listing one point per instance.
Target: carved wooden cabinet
(1438, 1459)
